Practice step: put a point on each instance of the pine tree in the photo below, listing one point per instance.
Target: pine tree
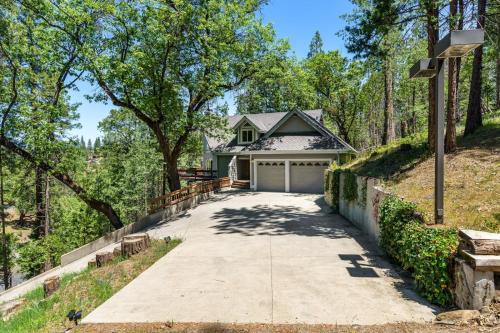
(97, 143)
(89, 145)
(82, 142)
(316, 45)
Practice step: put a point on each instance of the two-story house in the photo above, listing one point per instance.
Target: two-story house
(280, 152)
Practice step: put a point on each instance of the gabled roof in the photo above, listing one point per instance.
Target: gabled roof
(269, 123)
(314, 124)
(265, 121)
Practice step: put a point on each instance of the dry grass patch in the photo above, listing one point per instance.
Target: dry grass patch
(472, 176)
(472, 182)
(83, 291)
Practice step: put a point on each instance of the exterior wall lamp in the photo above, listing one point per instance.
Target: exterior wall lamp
(454, 45)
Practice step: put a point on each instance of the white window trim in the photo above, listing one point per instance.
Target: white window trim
(246, 128)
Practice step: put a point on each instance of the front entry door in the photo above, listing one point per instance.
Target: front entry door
(244, 169)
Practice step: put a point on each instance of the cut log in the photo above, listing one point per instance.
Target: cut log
(10, 308)
(103, 258)
(142, 235)
(92, 263)
(50, 285)
(117, 251)
(480, 242)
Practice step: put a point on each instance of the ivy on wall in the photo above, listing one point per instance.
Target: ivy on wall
(332, 188)
(424, 251)
(363, 192)
(350, 186)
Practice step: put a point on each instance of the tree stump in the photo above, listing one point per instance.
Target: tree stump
(92, 263)
(50, 285)
(117, 251)
(103, 258)
(134, 244)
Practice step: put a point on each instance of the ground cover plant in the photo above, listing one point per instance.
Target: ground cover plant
(424, 251)
(82, 291)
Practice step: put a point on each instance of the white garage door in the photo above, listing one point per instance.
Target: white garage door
(307, 176)
(271, 176)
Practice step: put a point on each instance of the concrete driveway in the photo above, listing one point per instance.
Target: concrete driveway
(251, 257)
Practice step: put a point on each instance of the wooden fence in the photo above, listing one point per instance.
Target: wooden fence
(197, 174)
(187, 192)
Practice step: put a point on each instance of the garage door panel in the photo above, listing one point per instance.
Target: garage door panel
(271, 176)
(307, 176)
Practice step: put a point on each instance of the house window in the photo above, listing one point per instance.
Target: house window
(246, 135)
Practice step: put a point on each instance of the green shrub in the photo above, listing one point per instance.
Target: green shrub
(364, 190)
(332, 181)
(426, 252)
(34, 254)
(350, 186)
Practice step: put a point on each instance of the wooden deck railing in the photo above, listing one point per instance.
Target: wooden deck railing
(187, 192)
(197, 174)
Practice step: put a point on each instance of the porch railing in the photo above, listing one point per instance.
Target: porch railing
(187, 192)
(197, 174)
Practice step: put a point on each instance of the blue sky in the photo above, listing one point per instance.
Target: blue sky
(296, 20)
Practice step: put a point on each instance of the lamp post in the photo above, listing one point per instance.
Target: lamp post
(454, 45)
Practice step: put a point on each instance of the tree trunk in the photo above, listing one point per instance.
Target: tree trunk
(46, 231)
(498, 77)
(38, 231)
(474, 118)
(413, 111)
(450, 139)
(174, 182)
(498, 66)
(432, 38)
(98, 205)
(47, 205)
(5, 252)
(389, 132)
(404, 128)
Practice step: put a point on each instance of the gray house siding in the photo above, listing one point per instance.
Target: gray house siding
(223, 165)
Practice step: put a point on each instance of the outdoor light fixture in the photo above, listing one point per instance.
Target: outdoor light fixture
(423, 68)
(74, 316)
(456, 44)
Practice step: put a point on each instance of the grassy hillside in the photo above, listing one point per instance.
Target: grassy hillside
(83, 291)
(472, 176)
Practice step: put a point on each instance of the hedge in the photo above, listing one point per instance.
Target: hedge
(425, 252)
(332, 190)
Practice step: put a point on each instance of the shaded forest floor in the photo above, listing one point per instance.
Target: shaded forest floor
(472, 176)
(14, 226)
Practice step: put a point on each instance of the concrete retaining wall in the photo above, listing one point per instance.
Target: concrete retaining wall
(364, 211)
(143, 223)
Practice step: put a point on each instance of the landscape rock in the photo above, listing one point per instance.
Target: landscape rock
(9, 308)
(458, 316)
(473, 289)
(50, 285)
(484, 293)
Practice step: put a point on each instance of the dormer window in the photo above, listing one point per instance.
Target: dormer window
(246, 134)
